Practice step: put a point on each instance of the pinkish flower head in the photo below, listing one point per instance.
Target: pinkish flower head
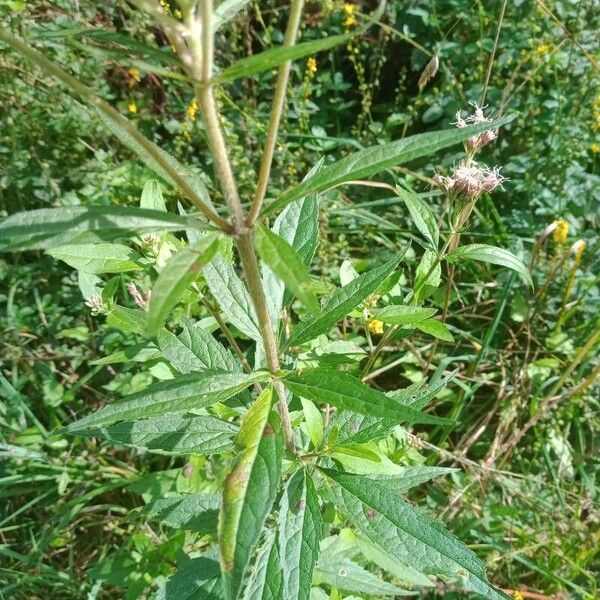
(470, 180)
(95, 304)
(476, 142)
(140, 298)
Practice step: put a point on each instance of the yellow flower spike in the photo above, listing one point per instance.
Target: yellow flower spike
(595, 148)
(350, 21)
(192, 109)
(134, 77)
(375, 326)
(132, 108)
(518, 595)
(349, 9)
(311, 65)
(178, 14)
(561, 232)
(543, 49)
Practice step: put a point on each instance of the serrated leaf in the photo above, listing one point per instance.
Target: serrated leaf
(493, 255)
(273, 57)
(198, 578)
(232, 296)
(410, 477)
(341, 302)
(249, 492)
(126, 319)
(183, 393)
(196, 349)
(314, 422)
(326, 386)
(50, 227)
(417, 396)
(264, 581)
(287, 265)
(196, 512)
(174, 434)
(177, 274)
(408, 533)
(399, 314)
(435, 328)
(375, 159)
(422, 216)
(300, 532)
(98, 258)
(152, 197)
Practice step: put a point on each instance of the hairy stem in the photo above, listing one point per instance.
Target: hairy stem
(283, 75)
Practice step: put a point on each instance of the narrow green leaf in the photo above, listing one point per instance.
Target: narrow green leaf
(341, 302)
(287, 265)
(300, 532)
(422, 216)
(408, 533)
(152, 197)
(174, 434)
(232, 296)
(375, 159)
(399, 314)
(177, 274)
(196, 512)
(50, 227)
(264, 581)
(127, 319)
(344, 391)
(198, 578)
(137, 353)
(183, 393)
(250, 490)
(436, 329)
(493, 255)
(417, 396)
(410, 477)
(314, 422)
(273, 57)
(196, 349)
(98, 258)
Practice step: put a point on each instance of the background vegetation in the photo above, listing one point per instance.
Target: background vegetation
(526, 494)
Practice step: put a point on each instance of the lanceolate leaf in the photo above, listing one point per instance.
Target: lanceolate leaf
(375, 159)
(98, 258)
(287, 265)
(407, 533)
(265, 581)
(174, 434)
(198, 578)
(233, 298)
(436, 329)
(273, 57)
(411, 477)
(326, 386)
(403, 315)
(250, 490)
(197, 512)
(50, 227)
(300, 532)
(341, 302)
(422, 216)
(491, 254)
(152, 197)
(417, 397)
(179, 271)
(175, 395)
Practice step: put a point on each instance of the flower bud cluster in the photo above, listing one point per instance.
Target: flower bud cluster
(469, 180)
(476, 142)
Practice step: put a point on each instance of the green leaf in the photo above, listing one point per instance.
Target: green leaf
(177, 274)
(249, 492)
(375, 159)
(175, 434)
(127, 319)
(196, 349)
(300, 532)
(50, 227)
(436, 329)
(493, 255)
(417, 396)
(152, 197)
(287, 265)
(341, 302)
(314, 422)
(226, 11)
(98, 258)
(422, 216)
(232, 296)
(265, 582)
(410, 477)
(273, 57)
(196, 512)
(344, 391)
(198, 578)
(399, 314)
(137, 353)
(408, 533)
(183, 393)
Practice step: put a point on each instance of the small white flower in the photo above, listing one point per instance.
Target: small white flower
(96, 304)
(470, 180)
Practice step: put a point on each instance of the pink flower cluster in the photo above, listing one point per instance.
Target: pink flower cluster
(470, 180)
(476, 142)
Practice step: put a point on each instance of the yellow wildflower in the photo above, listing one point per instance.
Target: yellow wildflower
(311, 65)
(134, 77)
(192, 109)
(349, 9)
(561, 232)
(132, 108)
(375, 326)
(518, 595)
(350, 21)
(178, 14)
(595, 148)
(166, 6)
(543, 49)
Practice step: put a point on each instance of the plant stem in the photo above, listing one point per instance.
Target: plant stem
(283, 75)
(86, 93)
